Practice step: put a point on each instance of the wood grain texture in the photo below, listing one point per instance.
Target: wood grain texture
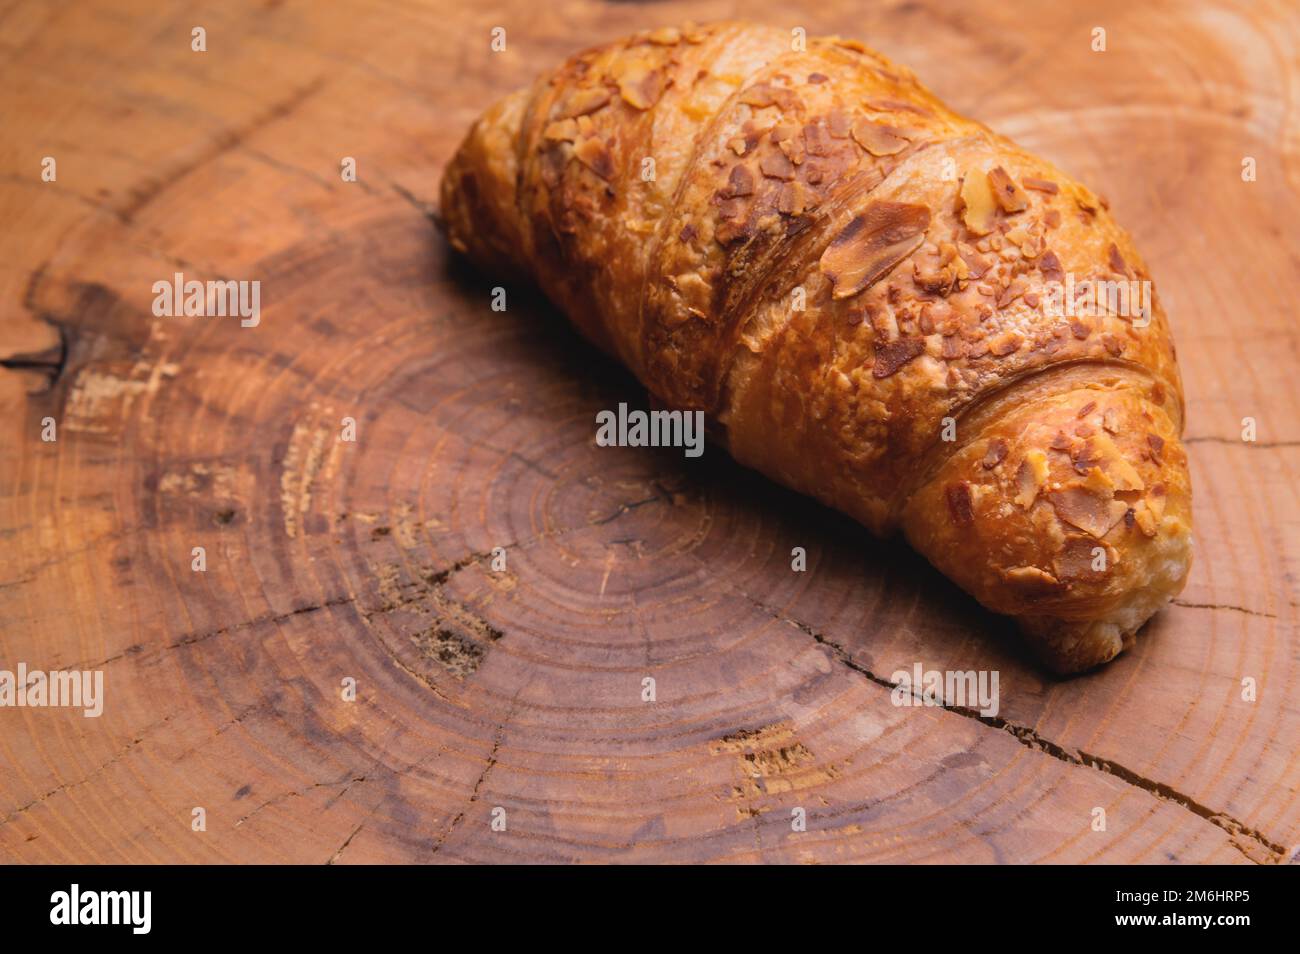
(522, 689)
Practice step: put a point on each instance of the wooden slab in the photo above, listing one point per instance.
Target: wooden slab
(521, 689)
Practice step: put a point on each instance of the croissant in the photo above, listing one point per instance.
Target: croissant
(874, 300)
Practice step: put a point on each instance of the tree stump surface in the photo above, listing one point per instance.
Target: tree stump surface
(517, 694)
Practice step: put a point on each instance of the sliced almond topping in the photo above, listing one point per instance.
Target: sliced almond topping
(933, 277)
(640, 85)
(793, 199)
(975, 265)
(892, 356)
(995, 453)
(1145, 520)
(895, 106)
(1010, 196)
(1076, 559)
(785, 130)
(872, 244)
(1030, 478)
(1116, 260)
(741, 181)
(1124, 474)
(1005, 344)
(1084, 456)
(1092, 514)
(1084, 199)
(564, 129)
(1011, 293)
(1110, 420)
(837, 122)
(877, 139)
(594, 154)
(1040, 185)
(1099, 483)
(776, 166)
(731, 209)
(586, 101)
(979, 207)
(793, 149)
(1050, 266)
(665, 36)
(1033, 245)
(960, 506)
(1019, 236)
(1030, 581)
(761, 95)
(926, 320)
(817, 139)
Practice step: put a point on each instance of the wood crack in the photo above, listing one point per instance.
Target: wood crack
(1029, 737)
(347, 782)
(145, 193)
(1224, 606)
(1214, 439)
(427, 209)
(346, 842)
(191, 638)
(497, 738)
(136, 740)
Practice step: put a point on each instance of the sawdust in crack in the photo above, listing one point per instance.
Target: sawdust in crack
(772, 760)
(405, 526)
(749, 739)
(302, 464)
(453, 652)
(217, 480)
(457, 640)
(101, 398)
(388, 578)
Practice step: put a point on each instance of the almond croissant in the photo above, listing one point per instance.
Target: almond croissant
(876, 301)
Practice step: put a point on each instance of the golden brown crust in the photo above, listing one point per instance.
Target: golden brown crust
(864, 290)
